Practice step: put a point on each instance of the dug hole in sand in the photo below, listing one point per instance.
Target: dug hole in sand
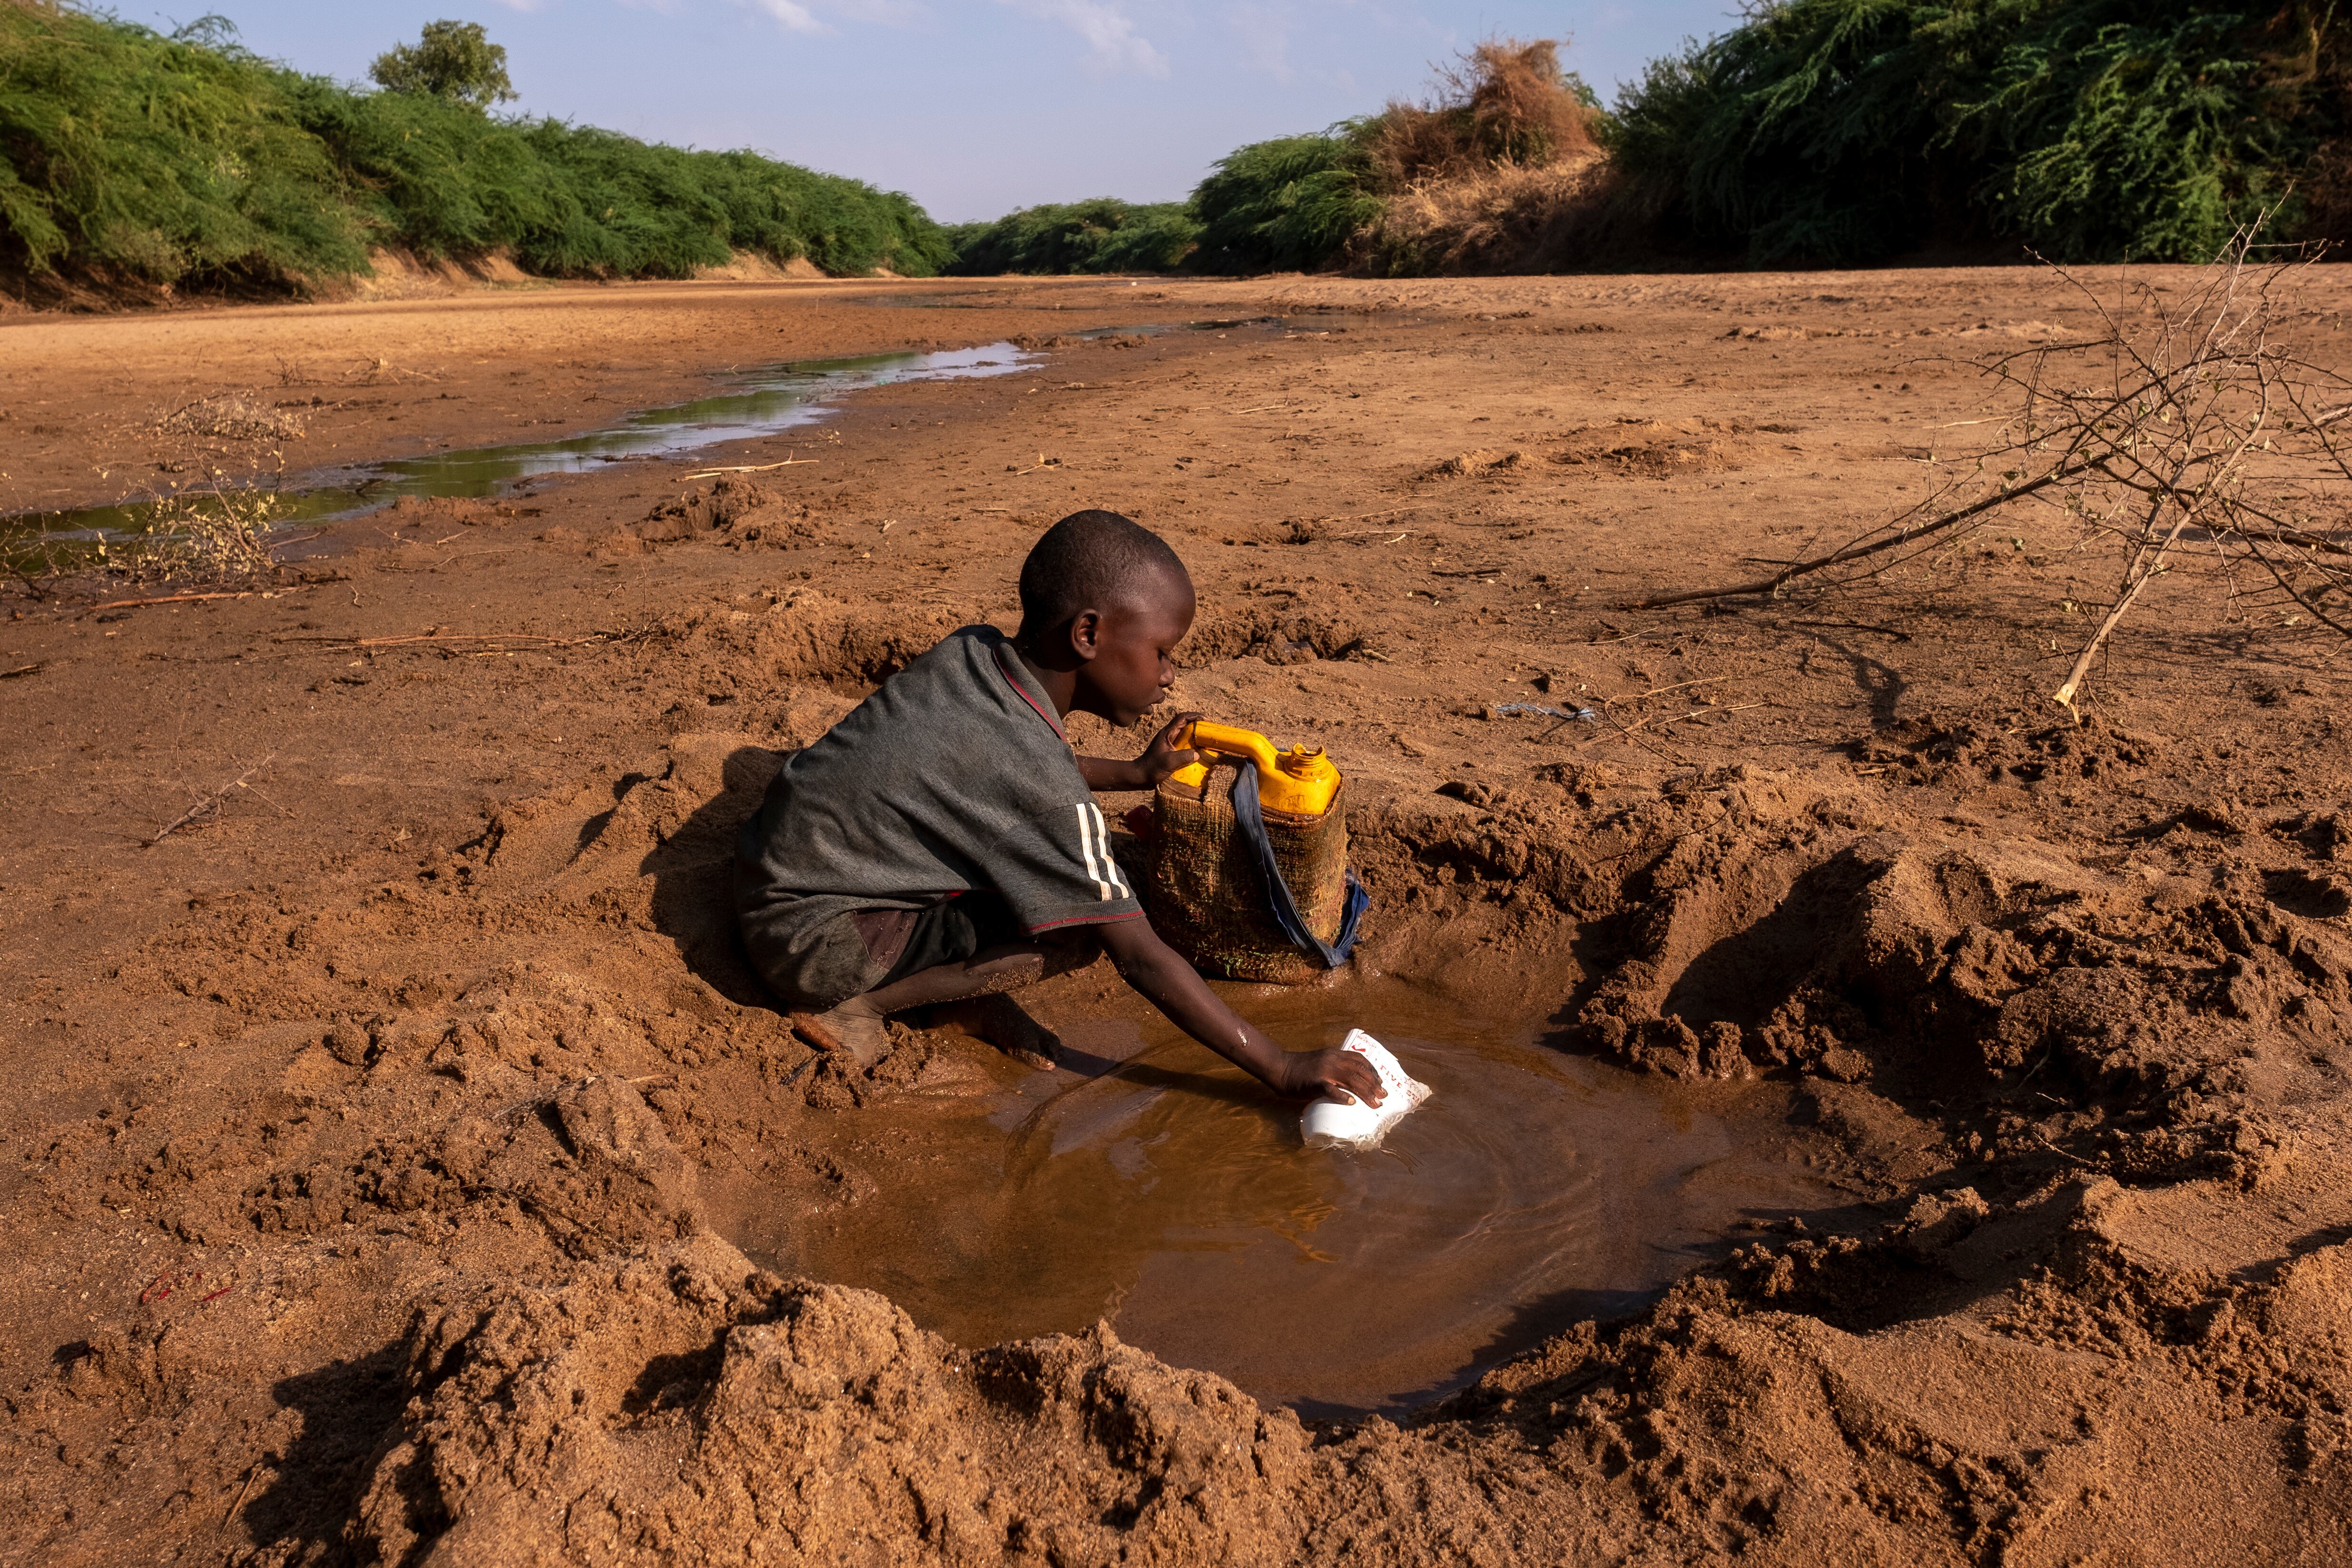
(1911, 1137)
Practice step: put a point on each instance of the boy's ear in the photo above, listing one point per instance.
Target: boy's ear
(1085, 633)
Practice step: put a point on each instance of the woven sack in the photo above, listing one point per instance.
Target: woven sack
(1207, 899)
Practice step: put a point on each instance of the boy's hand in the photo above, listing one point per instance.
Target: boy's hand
(1164, 756)
(1160, 759)
(1169, 984)
(1339, 1074)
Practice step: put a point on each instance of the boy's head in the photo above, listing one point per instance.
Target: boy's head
(1104, 599)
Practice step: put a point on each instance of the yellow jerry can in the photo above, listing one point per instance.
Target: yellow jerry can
(1209, 887)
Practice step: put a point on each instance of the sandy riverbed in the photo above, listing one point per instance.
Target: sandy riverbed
(390, 1147)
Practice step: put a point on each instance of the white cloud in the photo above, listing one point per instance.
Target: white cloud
(796, 17)
(1112, 42)
(883, 13)
(810, 17)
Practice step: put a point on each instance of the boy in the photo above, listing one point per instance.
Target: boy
(942, 845)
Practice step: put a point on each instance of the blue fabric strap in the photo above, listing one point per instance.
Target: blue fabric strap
(1251, 820)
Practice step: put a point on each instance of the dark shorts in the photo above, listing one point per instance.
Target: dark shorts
(817, 964)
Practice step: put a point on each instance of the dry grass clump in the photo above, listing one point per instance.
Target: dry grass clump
(1507, 218)
(1506, 104)
(1499, 170)
(231, 417)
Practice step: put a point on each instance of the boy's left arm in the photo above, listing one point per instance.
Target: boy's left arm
(1160, 759)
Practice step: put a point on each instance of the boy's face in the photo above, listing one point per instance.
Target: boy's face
(1129, 650)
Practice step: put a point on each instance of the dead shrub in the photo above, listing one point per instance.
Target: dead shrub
(1497, 172)
(1503, 219)
(1504, 104)
(2183, 435)
(221, 535)
(231, 417)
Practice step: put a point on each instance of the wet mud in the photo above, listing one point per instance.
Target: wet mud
(1875, 1121)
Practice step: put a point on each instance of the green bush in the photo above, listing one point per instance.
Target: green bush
(1852, 130)
(1292, 203)
(127, 155)
(1105, 235)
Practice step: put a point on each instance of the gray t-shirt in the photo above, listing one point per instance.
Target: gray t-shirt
(955, 776)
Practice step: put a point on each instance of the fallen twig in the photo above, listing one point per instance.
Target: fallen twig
(1662, 690)
(1856, 626)
(210, 802)
(168, 599)
(2057, 1151)
(2299, 538)
(251, 1471)
(751, 468)
(24, 669)
(453, 638)
(1858, 550)
(1628, 729)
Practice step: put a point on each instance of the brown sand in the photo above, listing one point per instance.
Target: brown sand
(371, 1138)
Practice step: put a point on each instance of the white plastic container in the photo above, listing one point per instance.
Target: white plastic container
(1331, 1124)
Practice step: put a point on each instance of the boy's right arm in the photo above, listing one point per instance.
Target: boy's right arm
(1171, 984)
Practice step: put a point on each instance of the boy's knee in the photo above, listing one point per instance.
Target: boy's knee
(1066, 952)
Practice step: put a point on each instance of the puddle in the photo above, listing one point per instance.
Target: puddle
(760, 403)
(1171, 1195)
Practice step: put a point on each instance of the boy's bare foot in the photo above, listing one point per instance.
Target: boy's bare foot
(1000, 1020)
(852, 1029)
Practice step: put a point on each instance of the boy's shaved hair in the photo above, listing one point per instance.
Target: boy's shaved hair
(1090, 561)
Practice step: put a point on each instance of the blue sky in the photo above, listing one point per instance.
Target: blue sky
(974, 107)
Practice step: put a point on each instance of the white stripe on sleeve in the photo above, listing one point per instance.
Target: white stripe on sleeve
(1110, 864)
(1087, 815)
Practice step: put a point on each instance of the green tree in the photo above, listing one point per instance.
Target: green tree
(454, 60)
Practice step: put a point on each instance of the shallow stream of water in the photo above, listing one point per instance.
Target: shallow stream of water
(1164, 1190)
(764, 402)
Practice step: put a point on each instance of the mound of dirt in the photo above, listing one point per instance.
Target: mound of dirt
(677, 1396)
(740, 510)
(467, 509)
(1659, 448)
(1483, 460)
(681, 1397)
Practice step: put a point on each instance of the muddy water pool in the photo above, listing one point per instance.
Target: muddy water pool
(1151, 1184)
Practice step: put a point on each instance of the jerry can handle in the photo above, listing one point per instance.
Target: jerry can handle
(1226, 740)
